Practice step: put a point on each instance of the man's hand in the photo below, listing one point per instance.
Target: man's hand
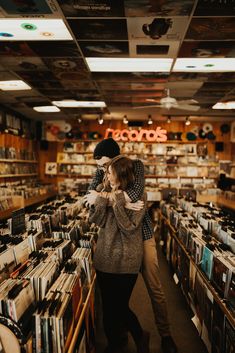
(135, 206)
(90, 198)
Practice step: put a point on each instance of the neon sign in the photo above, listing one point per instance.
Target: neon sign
(157, 135)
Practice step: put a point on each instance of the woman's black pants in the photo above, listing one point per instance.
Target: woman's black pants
(118, 318)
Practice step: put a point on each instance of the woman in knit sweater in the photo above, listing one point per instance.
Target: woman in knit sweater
(118, 255)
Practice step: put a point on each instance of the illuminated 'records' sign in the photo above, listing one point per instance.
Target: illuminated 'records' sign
(157, 135)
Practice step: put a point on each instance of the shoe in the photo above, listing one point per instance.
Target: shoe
(143, 343)
(168, 345)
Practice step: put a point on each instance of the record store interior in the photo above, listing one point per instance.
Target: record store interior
(117, 176)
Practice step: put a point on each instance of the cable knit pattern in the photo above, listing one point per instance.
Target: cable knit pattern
(120, 243)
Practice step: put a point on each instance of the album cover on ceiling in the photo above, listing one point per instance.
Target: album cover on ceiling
(151, 47)
(148, 86)
(54, 48)
(92, 8)
(65, 64)
(188, 76)
(16, 49)
(160, 77)
(31, 76)
(215, 8)
(25, 7)
(77, 84)
(23, 64)
(216, 28)
(157, 29)
(207, 49)
(147, 8)
(114, 86)
(99, 29)
(105, 49)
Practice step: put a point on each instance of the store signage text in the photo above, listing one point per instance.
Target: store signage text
(157, 135)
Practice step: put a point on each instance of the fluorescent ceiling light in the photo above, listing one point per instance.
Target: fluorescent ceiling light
(47, 109)
(33, 29)
(14, 85)
(129, 64)
(224, 105)
(204, 65)
(71, 103)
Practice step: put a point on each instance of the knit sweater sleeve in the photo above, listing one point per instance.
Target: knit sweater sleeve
(98, 212)
(127, 220)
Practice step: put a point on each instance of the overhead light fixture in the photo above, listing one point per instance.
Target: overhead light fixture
(187, 121)
(72, 103)
(150, 120)
(169, 119)
(224, 105)
(46, 109)
(125, 120)
(14, 85)
(204, 65)
(33, 29)
(100, 120)
(129, 64)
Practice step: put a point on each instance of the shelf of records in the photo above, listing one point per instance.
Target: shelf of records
(11, 154)
(199, 243)
(17, 169)
(46, 278)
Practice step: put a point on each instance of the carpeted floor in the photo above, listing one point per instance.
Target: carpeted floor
(183, 330)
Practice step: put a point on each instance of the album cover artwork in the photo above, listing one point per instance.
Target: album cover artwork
(105, 49)
(62, 65)
(147, 8)
(16, 49)
(156, 29)
(208, 49)
(31, 76)
(24, 7)
(216, 28)
(131, 76)
(99, 29)
(54, 49)
(215, 8)
(217, 329)
(229, 340)
(23, 64)
(77, 84)
(151, 47)
(92, 8)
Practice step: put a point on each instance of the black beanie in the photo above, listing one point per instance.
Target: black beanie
(106, 148)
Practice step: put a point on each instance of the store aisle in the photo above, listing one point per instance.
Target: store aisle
(183, 330)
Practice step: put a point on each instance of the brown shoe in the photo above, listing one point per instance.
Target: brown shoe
(143, 343)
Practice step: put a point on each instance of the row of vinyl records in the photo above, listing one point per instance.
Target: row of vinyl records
(205, 267)
(15, 168)
(26, 189)
(13, 153)
(45, 277)
(142, 147)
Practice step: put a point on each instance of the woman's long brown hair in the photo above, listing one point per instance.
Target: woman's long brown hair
(124, 171)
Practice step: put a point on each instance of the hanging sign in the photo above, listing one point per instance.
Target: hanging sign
(157, 135)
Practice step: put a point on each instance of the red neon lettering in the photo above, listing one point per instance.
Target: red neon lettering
(158, 135)
(108, 132)
(161, 134)
(133, 135)
(116, 134)
(124, 138)
(151, 135)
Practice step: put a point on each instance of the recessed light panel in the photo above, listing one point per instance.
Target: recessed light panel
(204, 65)
(70, 103)
(14, 85)
(129, 64)
(33, 29)
(224, 105)
(46, 109)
